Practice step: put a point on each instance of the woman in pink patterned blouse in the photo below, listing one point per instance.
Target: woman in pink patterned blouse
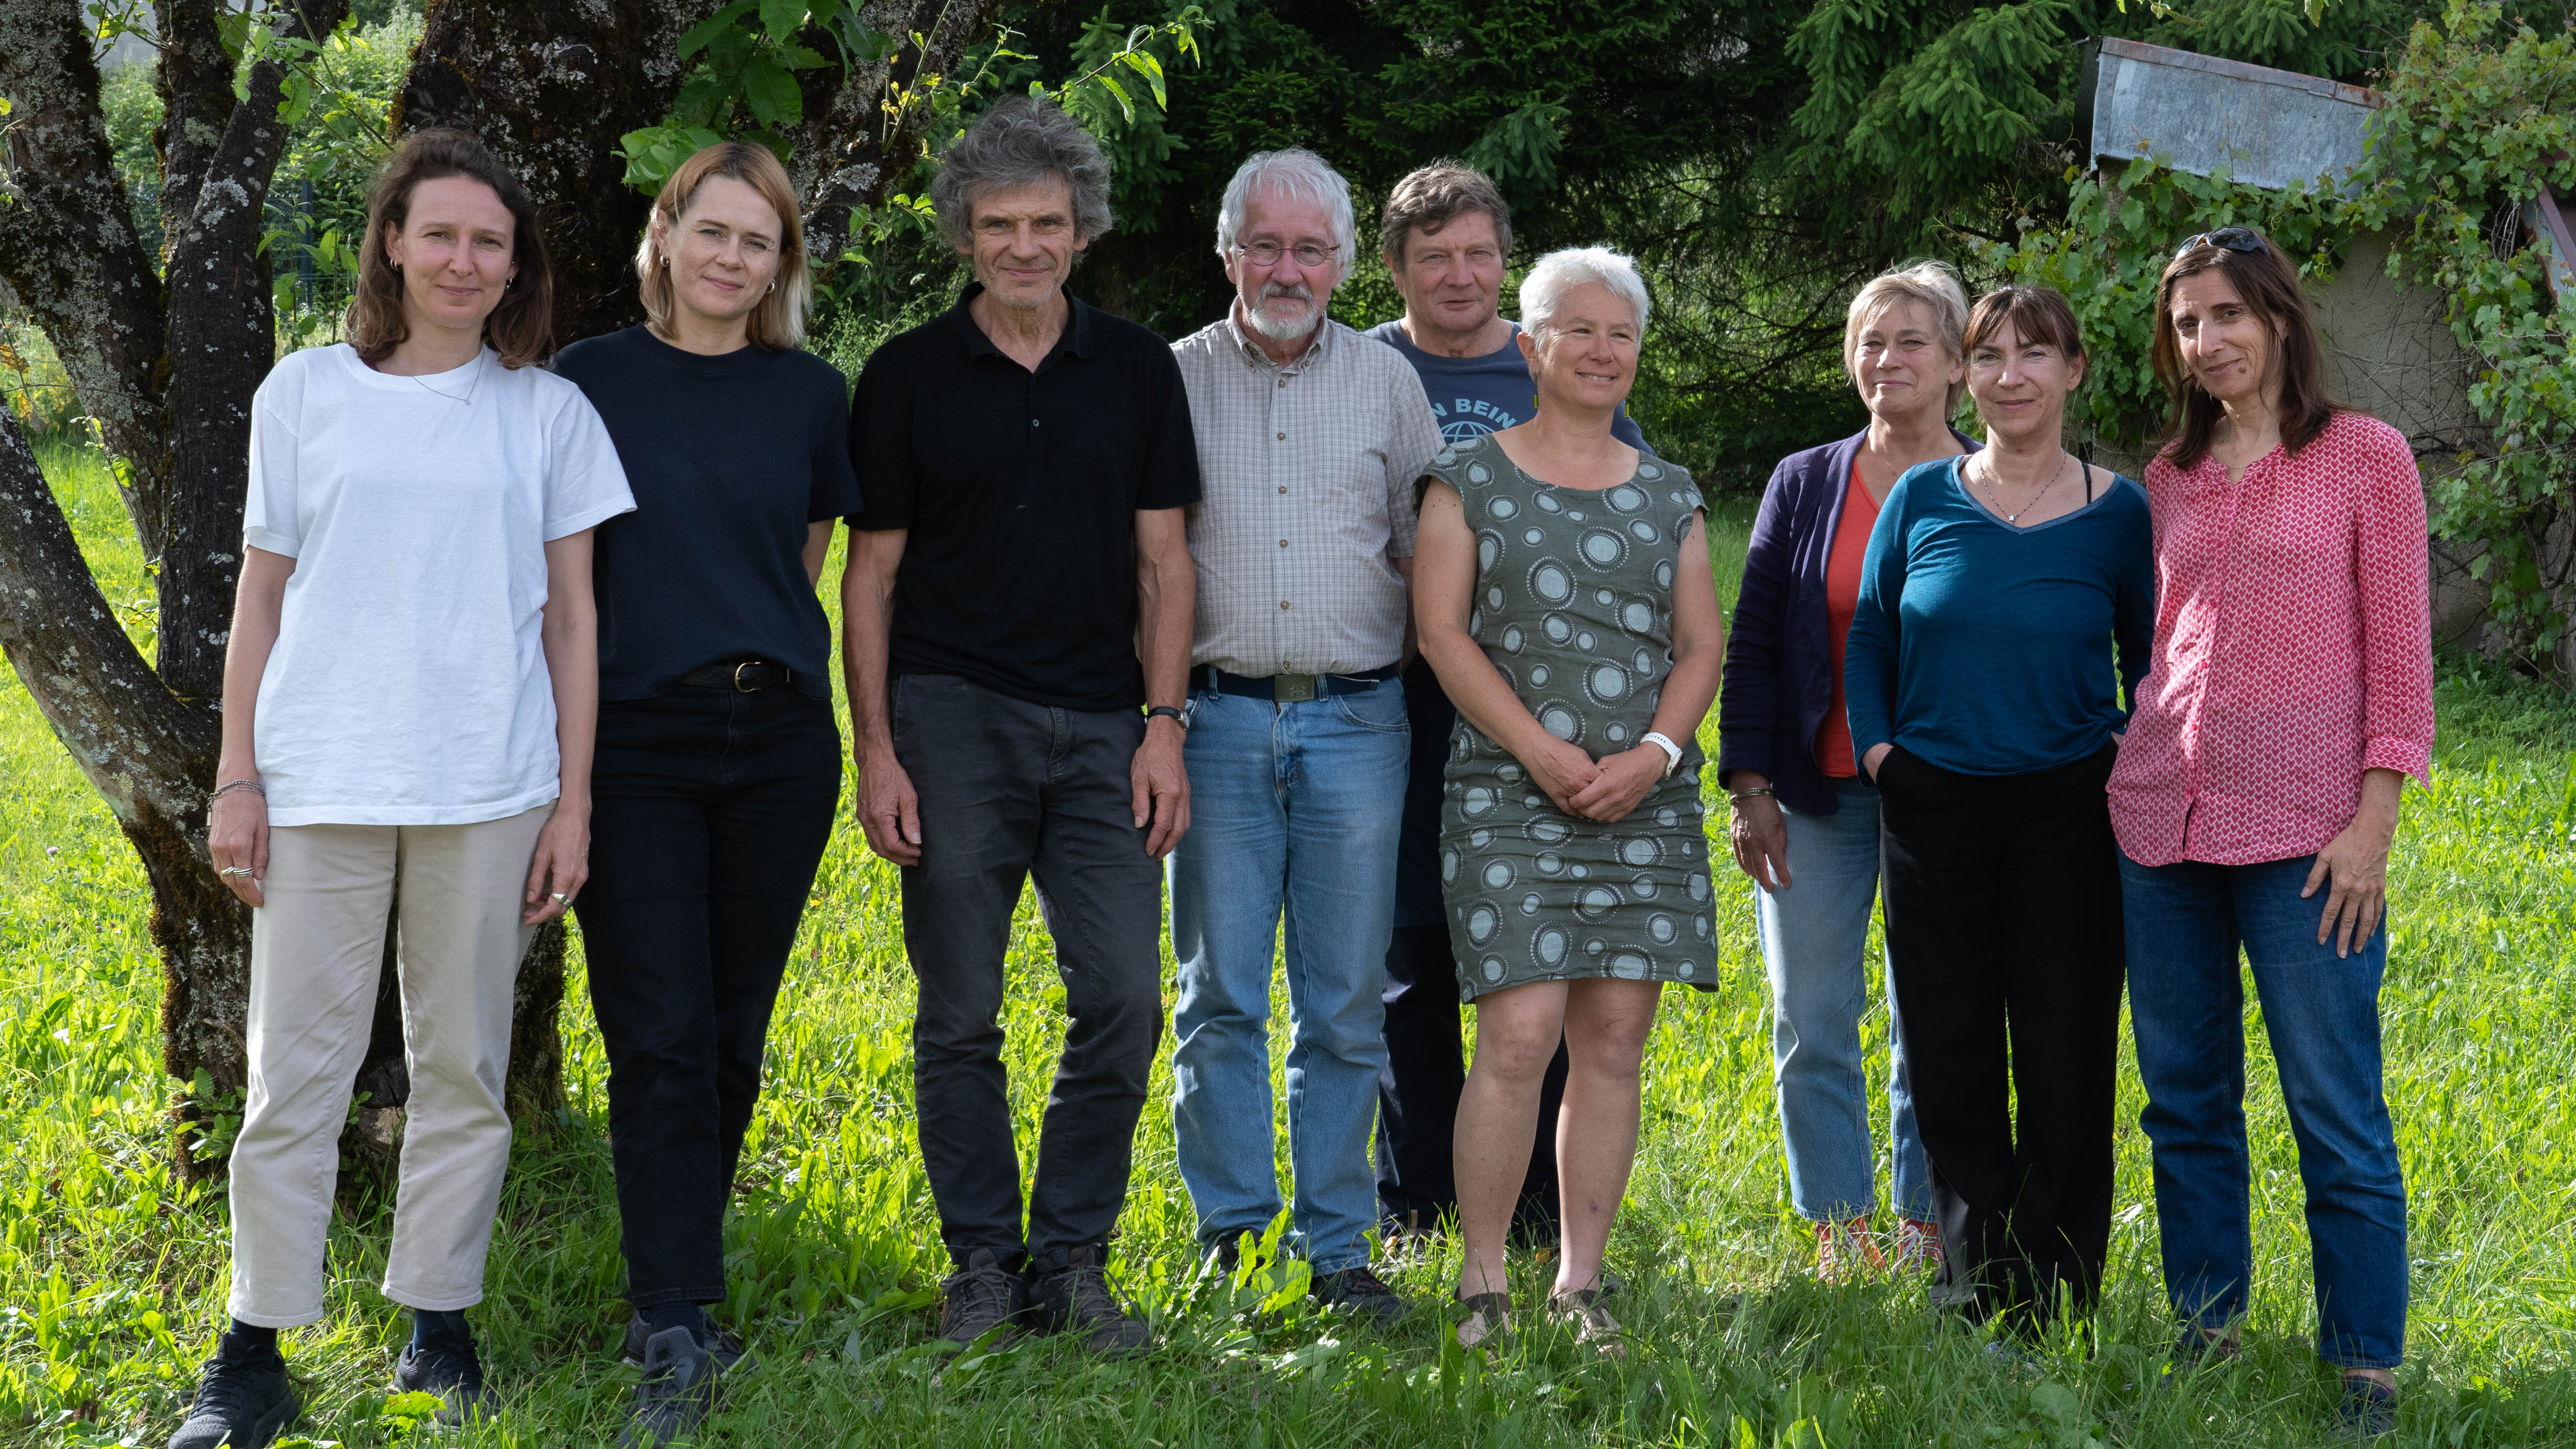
(2290, 695)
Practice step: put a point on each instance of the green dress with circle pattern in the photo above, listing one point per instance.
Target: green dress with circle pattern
(1573, 606)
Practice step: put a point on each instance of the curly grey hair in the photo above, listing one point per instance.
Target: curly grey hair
(1018, 142)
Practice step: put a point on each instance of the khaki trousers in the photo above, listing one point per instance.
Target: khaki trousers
(316, 949)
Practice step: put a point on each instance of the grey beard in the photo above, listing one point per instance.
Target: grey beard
(1278, 331)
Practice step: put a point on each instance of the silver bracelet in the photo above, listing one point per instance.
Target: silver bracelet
(230, 786)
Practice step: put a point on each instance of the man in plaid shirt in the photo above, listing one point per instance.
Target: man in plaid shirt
(1310, 439)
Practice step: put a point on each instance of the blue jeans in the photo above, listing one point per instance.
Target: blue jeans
(1295, 806)
(1815, 939)
(2187, 1011)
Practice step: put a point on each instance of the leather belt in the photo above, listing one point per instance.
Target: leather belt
(743, 676)
(1289, 688)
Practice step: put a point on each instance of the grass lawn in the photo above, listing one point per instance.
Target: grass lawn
(112, 1275)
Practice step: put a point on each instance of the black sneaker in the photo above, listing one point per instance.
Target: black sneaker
(451, 1371)
(243, 1400)
(1076, 1299)
(981, 1297)
(2367, 1409)
(1361, 1291)
(678, 1392)
(723, 1345)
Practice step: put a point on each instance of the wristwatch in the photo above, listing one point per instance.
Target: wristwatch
(1177, 717)
(1672, 752)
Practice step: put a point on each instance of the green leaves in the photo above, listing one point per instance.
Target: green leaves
(744, 85)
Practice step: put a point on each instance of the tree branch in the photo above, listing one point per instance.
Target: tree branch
(846, 157)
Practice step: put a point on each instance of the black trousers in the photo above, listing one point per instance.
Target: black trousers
(1011, 790)
(2003, 927)
(709, 812)
(1417, 1091)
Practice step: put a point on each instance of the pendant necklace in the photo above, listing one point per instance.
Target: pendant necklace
(1995, 487)
(471, 384)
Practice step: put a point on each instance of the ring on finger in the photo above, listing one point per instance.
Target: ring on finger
(233, 870)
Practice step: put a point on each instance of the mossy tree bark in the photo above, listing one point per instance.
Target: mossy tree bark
(166, 354)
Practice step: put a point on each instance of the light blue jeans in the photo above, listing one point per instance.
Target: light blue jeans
(1815, 936)
(1294, 808)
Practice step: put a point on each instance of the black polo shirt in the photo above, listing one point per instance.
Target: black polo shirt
(1020, 491)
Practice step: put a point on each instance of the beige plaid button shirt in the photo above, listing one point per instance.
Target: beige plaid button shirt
(1307, 474)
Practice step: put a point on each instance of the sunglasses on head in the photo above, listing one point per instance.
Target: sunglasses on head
(2233, 238)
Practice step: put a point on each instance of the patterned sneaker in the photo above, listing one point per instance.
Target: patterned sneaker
(1918, 1247)
(1846, 1251)
(1076, 1299)
(243, 1400)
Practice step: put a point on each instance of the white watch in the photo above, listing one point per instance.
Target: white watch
(1672, 752)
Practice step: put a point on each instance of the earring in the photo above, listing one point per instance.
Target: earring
(772, 288)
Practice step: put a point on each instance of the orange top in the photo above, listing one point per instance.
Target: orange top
(1842, 600)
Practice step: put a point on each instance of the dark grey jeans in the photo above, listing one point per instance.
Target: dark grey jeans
(1011, 790)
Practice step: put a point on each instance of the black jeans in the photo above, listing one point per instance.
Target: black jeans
(2003, 929)
(1417, 1092)
(1011, 790)
(709, 812)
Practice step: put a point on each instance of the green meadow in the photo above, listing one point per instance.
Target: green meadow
(112, 1273)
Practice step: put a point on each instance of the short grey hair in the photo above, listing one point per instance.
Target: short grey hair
(1560, 272)
(1019, 142)
(1295, 172)
(1933, 285)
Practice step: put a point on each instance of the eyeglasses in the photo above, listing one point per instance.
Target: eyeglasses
(1268, 253)
(2233, 238)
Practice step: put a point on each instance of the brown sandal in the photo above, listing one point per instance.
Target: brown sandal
(1593, 1326)
(1488, 1321)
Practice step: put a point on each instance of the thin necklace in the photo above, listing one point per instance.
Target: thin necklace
(470, 385)
(1995, 487)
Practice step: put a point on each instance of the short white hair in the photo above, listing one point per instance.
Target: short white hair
(1302, 175)
(1560, 272)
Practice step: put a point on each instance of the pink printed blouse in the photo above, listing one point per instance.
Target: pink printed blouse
(2293, 650)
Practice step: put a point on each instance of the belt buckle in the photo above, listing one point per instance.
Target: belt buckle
(1292, 688)
(738, 686)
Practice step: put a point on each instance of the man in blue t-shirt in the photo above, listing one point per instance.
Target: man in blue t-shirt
(1446, 236)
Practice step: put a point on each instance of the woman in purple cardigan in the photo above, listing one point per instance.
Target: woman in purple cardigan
(1805, 818)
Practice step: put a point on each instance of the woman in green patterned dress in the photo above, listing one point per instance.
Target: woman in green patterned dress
(1562, 593)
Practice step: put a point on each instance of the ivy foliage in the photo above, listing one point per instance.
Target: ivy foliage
(2480, 113)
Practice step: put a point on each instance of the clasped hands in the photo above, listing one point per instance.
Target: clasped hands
(1605, 790)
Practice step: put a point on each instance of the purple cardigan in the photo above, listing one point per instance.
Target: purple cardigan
(1779, 656)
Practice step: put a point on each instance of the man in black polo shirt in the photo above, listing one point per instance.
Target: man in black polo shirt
(1019, 589)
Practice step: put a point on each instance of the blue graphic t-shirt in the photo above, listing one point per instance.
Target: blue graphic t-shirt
(1473, 396)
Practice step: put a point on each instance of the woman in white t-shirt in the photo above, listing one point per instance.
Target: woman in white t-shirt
(409, 698)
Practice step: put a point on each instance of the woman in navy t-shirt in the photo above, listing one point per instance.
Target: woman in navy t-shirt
(719, 760)
(1986, 701)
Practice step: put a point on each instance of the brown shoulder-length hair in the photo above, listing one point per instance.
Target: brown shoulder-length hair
(522, 328)
(778, 323)
(2269, 284)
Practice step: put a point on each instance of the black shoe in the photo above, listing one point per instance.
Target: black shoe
(1076, 1299)
(243, 1400)
(2367, 1410)
(1360, 1291)
(678, 1392)
(451, 1371)
(722, 1345)
(981, 1297)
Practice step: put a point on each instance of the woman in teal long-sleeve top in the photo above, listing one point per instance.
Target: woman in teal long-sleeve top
(2007, 604)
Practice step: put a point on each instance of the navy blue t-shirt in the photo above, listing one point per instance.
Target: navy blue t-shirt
(1473, 396)
(731, 459)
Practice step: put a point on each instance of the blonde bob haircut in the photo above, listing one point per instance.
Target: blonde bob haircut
(778, 323)
(1932, 285)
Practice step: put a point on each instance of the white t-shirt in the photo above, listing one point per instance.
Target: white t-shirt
(409, 684)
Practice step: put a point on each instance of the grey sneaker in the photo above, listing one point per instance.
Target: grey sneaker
(722, 1345)
(1076, 1299)
(678, 1392)
(242, 1400)
(1361, 1291)
(981, 1298)
(450, 1371)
